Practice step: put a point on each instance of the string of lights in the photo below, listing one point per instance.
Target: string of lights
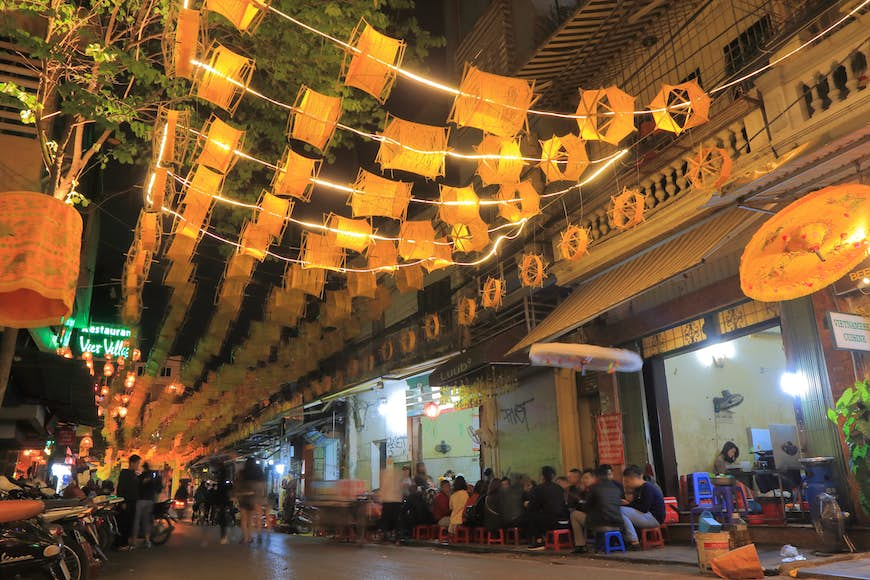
(405, 73)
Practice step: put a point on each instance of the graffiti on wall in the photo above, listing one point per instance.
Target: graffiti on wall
(517, 414)
(397, 446)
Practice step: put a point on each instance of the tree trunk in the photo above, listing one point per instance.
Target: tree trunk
(7, 353)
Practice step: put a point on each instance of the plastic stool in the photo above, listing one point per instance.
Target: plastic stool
(496, 537)
(512, 536)
(558, 539)
(478, 535)
(422, 532)
(703, 488)
(651, 538)
(462, 535)
(610, 541)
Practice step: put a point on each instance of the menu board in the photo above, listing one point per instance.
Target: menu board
(611, 448)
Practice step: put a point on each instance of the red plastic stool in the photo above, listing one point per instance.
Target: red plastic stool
(651, 538)
(461, 535)
(478, 535)
(558, 539)
(496, 537)
(422, 532)
(512, 536)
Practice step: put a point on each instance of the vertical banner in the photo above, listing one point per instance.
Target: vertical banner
(611, 448)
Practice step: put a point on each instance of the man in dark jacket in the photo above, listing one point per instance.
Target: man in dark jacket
(128, 488)
(546, 507)
(601, 510)
(646, 510)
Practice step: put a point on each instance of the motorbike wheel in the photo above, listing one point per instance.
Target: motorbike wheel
(106, 537)
(161, 531)
(84, 554)
(73, 563)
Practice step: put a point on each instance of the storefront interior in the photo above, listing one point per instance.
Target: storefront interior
(737, 390)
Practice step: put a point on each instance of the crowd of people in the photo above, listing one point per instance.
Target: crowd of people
(215, 501)
(140, 489)
(585, 501)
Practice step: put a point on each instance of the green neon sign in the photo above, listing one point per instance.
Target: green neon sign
(103, 339)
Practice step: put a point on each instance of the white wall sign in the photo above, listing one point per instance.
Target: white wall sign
(851, 332)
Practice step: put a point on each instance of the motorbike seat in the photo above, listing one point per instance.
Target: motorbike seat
(54, 515)
(19, 509)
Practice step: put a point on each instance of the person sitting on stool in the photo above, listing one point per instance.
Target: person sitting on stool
(646, 510)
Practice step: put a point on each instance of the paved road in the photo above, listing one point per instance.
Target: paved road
(194, 553)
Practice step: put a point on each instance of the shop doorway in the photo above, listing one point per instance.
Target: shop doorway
(734, 390)
(378, 461)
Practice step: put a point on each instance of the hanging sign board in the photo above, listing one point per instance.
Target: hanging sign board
(850, 331)
(66, 436)
(101, 339)
(611, 448)
(857, 278)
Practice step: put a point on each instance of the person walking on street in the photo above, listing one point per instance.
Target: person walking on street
(128, 488)
(150, 486)
(251, 493)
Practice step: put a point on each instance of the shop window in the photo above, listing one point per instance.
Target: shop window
(733, 390)
(743, 50)
(166, 372)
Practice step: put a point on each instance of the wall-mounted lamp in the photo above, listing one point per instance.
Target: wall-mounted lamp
(716, 354)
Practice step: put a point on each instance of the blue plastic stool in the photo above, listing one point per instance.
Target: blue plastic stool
(703, 487)
(610, 542)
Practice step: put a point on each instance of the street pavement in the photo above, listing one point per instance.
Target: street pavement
(194, 553)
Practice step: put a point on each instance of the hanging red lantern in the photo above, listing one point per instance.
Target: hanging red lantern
(432, 410)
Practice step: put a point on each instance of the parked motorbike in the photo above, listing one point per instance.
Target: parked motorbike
(79, 533)
(164, 523)
(28, 549)
(302, 520)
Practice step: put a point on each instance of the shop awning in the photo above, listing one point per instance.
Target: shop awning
(63, 385)
(488, 352)
(627, 280)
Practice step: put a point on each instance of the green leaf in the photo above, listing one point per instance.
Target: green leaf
(833, 416)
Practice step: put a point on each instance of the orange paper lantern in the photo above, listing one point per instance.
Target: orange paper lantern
(368, 64)
(710, 168)
(809, 245)
(574, 243)
(679, 107)
(492, 294)
(148, 230)
(459, 205)
(473, 237)
(254, 241)
(310, 281)
(225, 79)
(362, 284)
(155, 189)
(338, 307)
(196, 202)
(386, 351)
(409, 278)
(351, 234)
(532, 270)
(417, 240)
(492, 103)
(217, 145)
(239, 267)
(245, 15)
(607, 115)
(273, 214)
(314, 117)
(626, 209)
(170, 137)
(382, 255)
(294, 176)
(432, 326)
(466, 311)
(504, 162)
(413, 147)
(374, 195)
(408, 340)
(441, 256)
(564, 157)
(186, 43)
(318, 252)
(181, 249)
(524, 201)
(178, 274)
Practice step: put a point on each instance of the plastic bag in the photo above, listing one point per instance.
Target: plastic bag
(740, 564)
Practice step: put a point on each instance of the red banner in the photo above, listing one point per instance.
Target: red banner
(65, 436)
(611, 448)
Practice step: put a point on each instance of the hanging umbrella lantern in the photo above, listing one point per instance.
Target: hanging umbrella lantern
(809, 245)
